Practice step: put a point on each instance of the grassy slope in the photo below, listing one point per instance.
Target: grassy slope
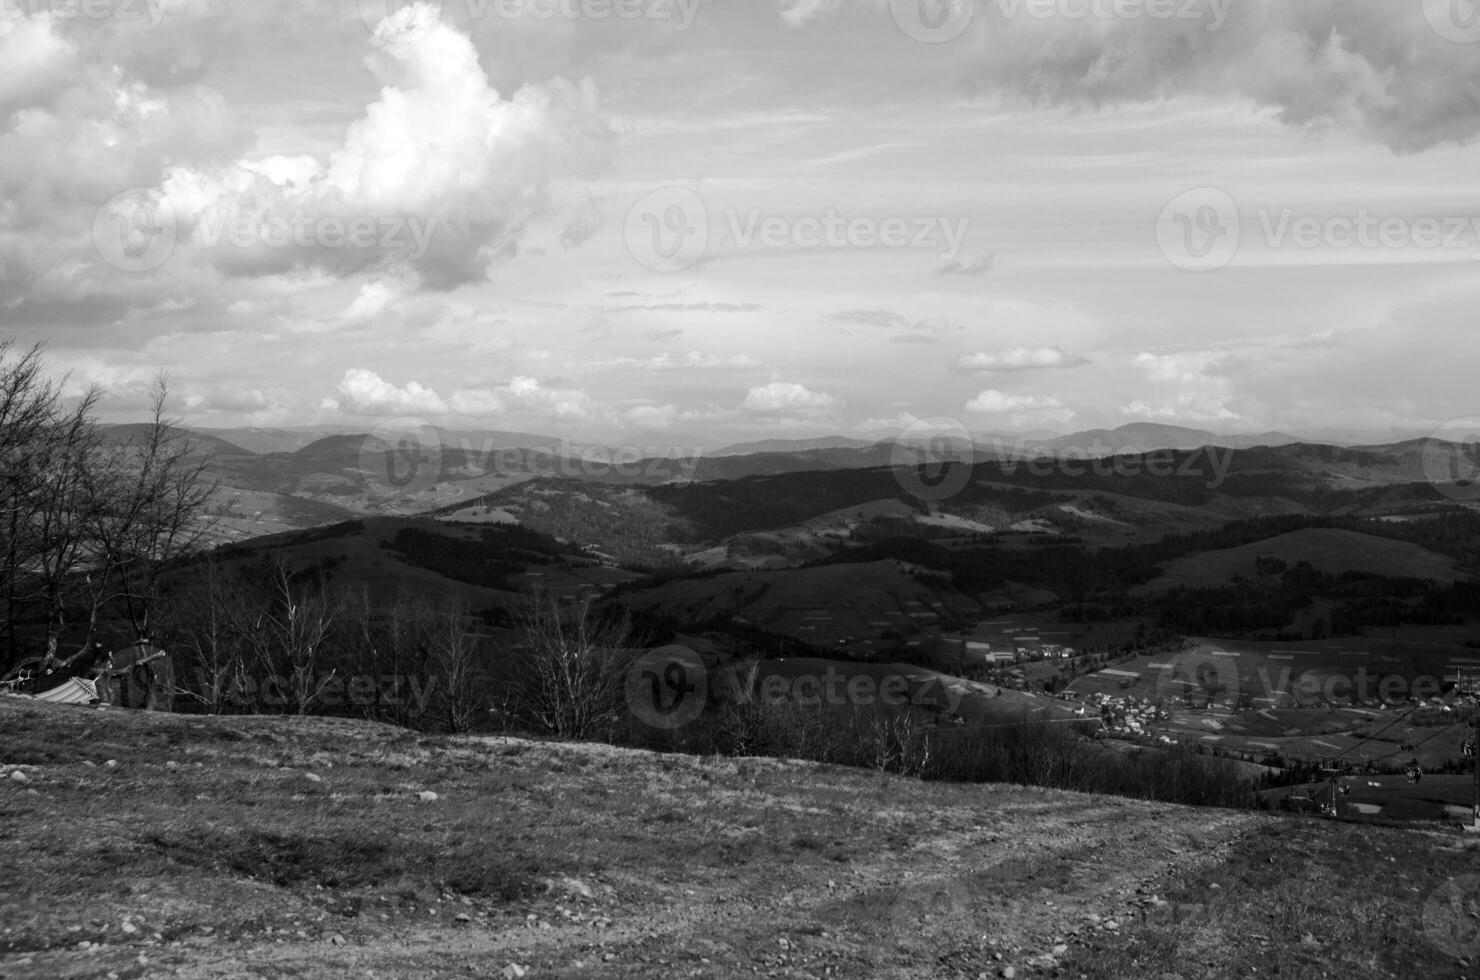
(212, 841)
(1329, 549)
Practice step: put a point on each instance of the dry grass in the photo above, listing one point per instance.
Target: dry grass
(284, 847)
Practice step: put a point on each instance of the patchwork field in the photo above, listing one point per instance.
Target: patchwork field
(1321, 700)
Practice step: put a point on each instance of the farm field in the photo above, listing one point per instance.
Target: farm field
(1435, 797)
(1271, 674)
(1268, 698)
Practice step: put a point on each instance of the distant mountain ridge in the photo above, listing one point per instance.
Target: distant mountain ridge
(1145, 437)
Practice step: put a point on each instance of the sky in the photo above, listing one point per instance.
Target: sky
(748, 219)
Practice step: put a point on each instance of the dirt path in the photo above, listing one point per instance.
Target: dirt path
(315, 849)
(1019, 890)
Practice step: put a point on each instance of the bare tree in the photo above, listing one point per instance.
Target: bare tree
(29, 411)
(200, 620)
(54, 509)
(572, 671)
(456, 654)
(286, 629)
(150, 496)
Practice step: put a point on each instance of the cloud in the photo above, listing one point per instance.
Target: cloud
(898, 423)
(784, 397)
(562, 404)
(1019, 359)
(1374, 66)
(37, 60)
(475, 402)
(1020, 409)
(795, 13)
(692, 361)
(871, 318)
(443, 171)
(587, 221)
(364, 392)
(652, 416)
(977, 266)
(924, 331)
(372, 299)
(689, 308)
(1184, 387)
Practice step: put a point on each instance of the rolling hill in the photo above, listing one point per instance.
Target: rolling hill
(1330, 550)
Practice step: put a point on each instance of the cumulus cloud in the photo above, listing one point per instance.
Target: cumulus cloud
(372, 300)
(788, 398)
(1020, 409)
(1183, 387)
(1375, 66)
(562, 404)
(363, 392)
(441, 173)
(367, 393)
(1019, 359)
